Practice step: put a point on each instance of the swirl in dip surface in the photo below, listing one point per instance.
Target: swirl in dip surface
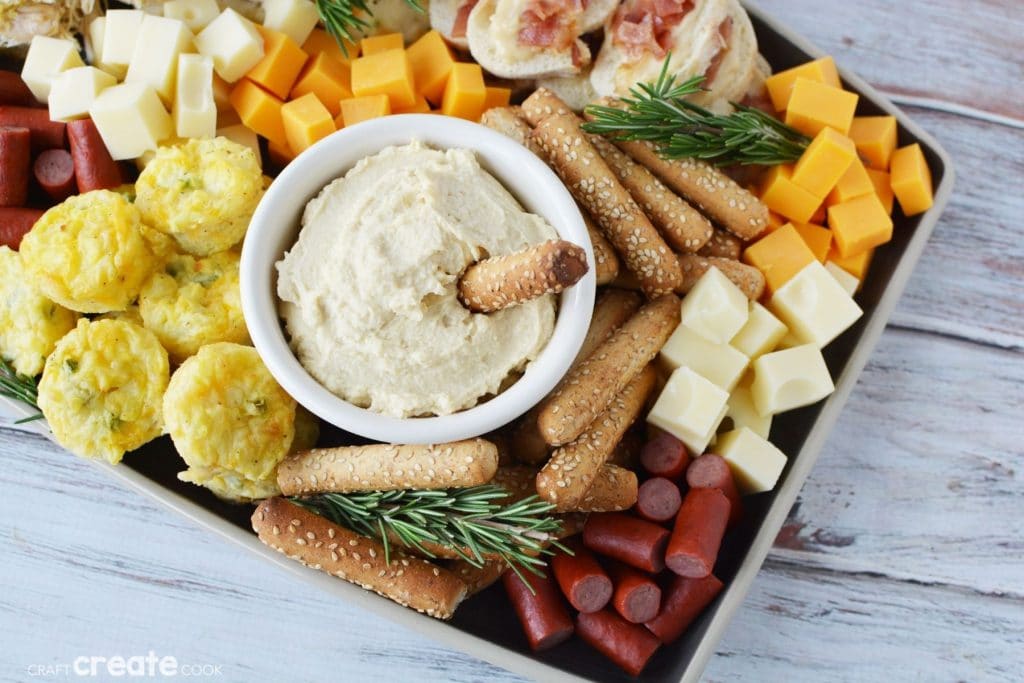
(369, 290)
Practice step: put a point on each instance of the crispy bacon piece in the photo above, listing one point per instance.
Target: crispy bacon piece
(551, 24)
(724, 32)
(642, 26)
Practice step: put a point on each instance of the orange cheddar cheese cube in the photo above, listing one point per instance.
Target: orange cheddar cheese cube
(855, 183)
(786, 198)
(282, 61)
(280, 154)
(819, 217)
(421, 106)
(824, 162)
(854, 265)
(817, 238)
(432, 62)
(875, 137)
(883, 188)
(465, 92)
(328, 79)
(775, 221)
(779, 256)
(356, 109)
(911, 180)
(385, 73)
(859, 224)
(371, 45)
(322, 42)
(780, 85)
(814, 105)
(306, 120)
(259, 110)
(497, 97)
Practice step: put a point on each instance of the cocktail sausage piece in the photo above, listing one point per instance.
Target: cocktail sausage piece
(684, 599)
(712, 472)
(582, 580)
(14, 223)
(628, 539)
(698, 532)
(55, 172)
(14, 91)
(95, 169)
(658, 500)
(15, 159)
(46, 134)
(542, 613)
(630, 646)
(665, 456)
(637, 597)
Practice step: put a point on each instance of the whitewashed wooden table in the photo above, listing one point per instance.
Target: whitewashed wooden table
(902, 560)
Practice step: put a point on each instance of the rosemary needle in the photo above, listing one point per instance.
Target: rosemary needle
(658, 112)
(19, 388)
(345, 18)
(472, 522)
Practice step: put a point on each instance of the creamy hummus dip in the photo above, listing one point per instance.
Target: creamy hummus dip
(369, 290)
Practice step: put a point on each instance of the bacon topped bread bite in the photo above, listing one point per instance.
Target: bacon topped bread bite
(534, 38)
(710, 38)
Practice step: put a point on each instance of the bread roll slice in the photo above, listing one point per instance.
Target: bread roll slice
(444, 15)
(495, 41)
(733, 67)
(595, 14)
(576, 91)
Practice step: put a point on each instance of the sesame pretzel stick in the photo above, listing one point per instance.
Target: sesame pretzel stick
(613, 209)
(589, 388)
(477, 578)
(318, 543)
(723, 245)
(606, 261)
(614, 489)
(385, 467)
(571, 471)
(613, 308)
(505, 281)
(683, 227)
(749, 279)
(541, 104)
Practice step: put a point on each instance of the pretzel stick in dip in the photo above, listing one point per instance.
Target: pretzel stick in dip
(384, 467)
(319, 543)
(614, 489)
(595, 187)
(613, 308)
(504, 281)
(723, 245)
(589, 388)
(749, 279)
(571, 471)
(683, 227)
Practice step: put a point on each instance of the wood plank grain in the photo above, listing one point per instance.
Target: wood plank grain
(812, 626)
(921, 477)
(971, 53)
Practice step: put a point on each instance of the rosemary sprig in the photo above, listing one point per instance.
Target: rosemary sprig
(343, 19)
(469, 521)
(659, 112)
(19, 388)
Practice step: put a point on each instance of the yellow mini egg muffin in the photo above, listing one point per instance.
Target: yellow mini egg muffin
(193, 302)
(230, 422)
(102, 388)
(202, 193)
(30, 324)
(88, 253)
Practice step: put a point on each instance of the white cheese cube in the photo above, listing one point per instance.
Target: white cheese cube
(689, 408)
(155, 61)
(243, 135)
(295, 18)
(197, 14)
(715, 308)
(46, 59)
(74, 91)
(233, 43)
(720, 363)
(119, 37)
(761, 333)
(756, 464)
(195, 113)
(789, 341)
(94, 40)
(741, 412)
(814, 306)
(847, 281)
(131, 119)
(784, 380)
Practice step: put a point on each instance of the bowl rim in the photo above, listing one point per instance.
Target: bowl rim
(529, 179)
